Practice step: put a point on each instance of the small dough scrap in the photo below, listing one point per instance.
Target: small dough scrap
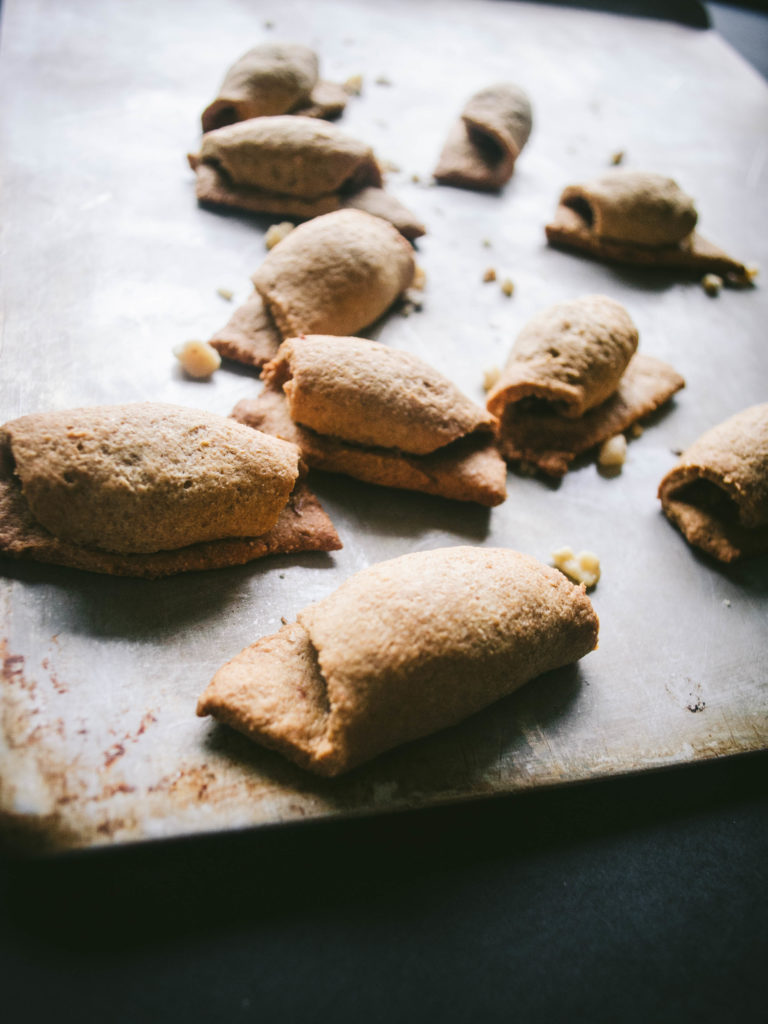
(378, 414)
(638, 217)
(483, 145)
(274, 78)
(111, 487)
(717, 494)
(573, 380)
(400, 650)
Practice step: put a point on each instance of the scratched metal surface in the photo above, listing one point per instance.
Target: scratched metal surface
(107, 263)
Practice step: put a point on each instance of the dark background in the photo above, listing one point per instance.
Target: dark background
(638, 899)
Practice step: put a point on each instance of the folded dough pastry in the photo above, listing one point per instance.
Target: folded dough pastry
(149, 489)
(641, 218)
(378, 414)
(335, 274)
(717, 494)
(573, 379)
(400, 650)
(297, 167)
(483, 145)
(274, 78)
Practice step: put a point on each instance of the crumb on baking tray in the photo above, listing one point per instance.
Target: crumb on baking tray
(419, 278)
(225, 293)
(613, 452)
(198, 358)
(354, 85)
(712, 283)
(489, 275)
(582, 568)
(508, 287)
(277, 232)
(490, 377)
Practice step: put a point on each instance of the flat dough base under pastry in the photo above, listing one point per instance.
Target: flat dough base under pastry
(250, 335)
(552, 442)
(695, 254)
(303, 526)
(469, 469)
(215, 189)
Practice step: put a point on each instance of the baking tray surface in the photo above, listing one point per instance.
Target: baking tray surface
(107, 263)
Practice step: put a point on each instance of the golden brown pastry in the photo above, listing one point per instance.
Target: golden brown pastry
(335, 274)
(378, 414)
(274, 78)
(149, 489)
(573, 379)
(640, 218)
(400, 650)
(294, 166)
(483, 145)
(717, 494)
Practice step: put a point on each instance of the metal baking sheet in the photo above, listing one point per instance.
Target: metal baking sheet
(107, 263)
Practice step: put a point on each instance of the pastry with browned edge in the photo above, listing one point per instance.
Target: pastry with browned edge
(274, 78)
(297, 167)
(335, 274)
(485, 142)
(574, 379)
(641, 218)
(149, 489)
(717, 494)
(400, 650)
(378, 414)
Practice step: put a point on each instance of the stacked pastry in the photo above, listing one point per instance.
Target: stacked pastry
(573, 379)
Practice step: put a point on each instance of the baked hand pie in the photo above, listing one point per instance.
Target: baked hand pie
(297, 167)
(574, 379)
(335, 274)
(400, 650)
(484, 143)
(378, 414)
(274, 78)
(149, 489)
(636, 217)
(717, 494)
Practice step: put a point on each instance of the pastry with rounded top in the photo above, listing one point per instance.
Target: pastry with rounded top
(336, 274)
(274, 78)
(378, 414)
(294, 166)
(574, 379)
(639, 217)
(400, 650)
(485, 142)
(717, 494)
(148, 489)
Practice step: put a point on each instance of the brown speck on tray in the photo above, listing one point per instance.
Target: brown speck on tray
(116, 751)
